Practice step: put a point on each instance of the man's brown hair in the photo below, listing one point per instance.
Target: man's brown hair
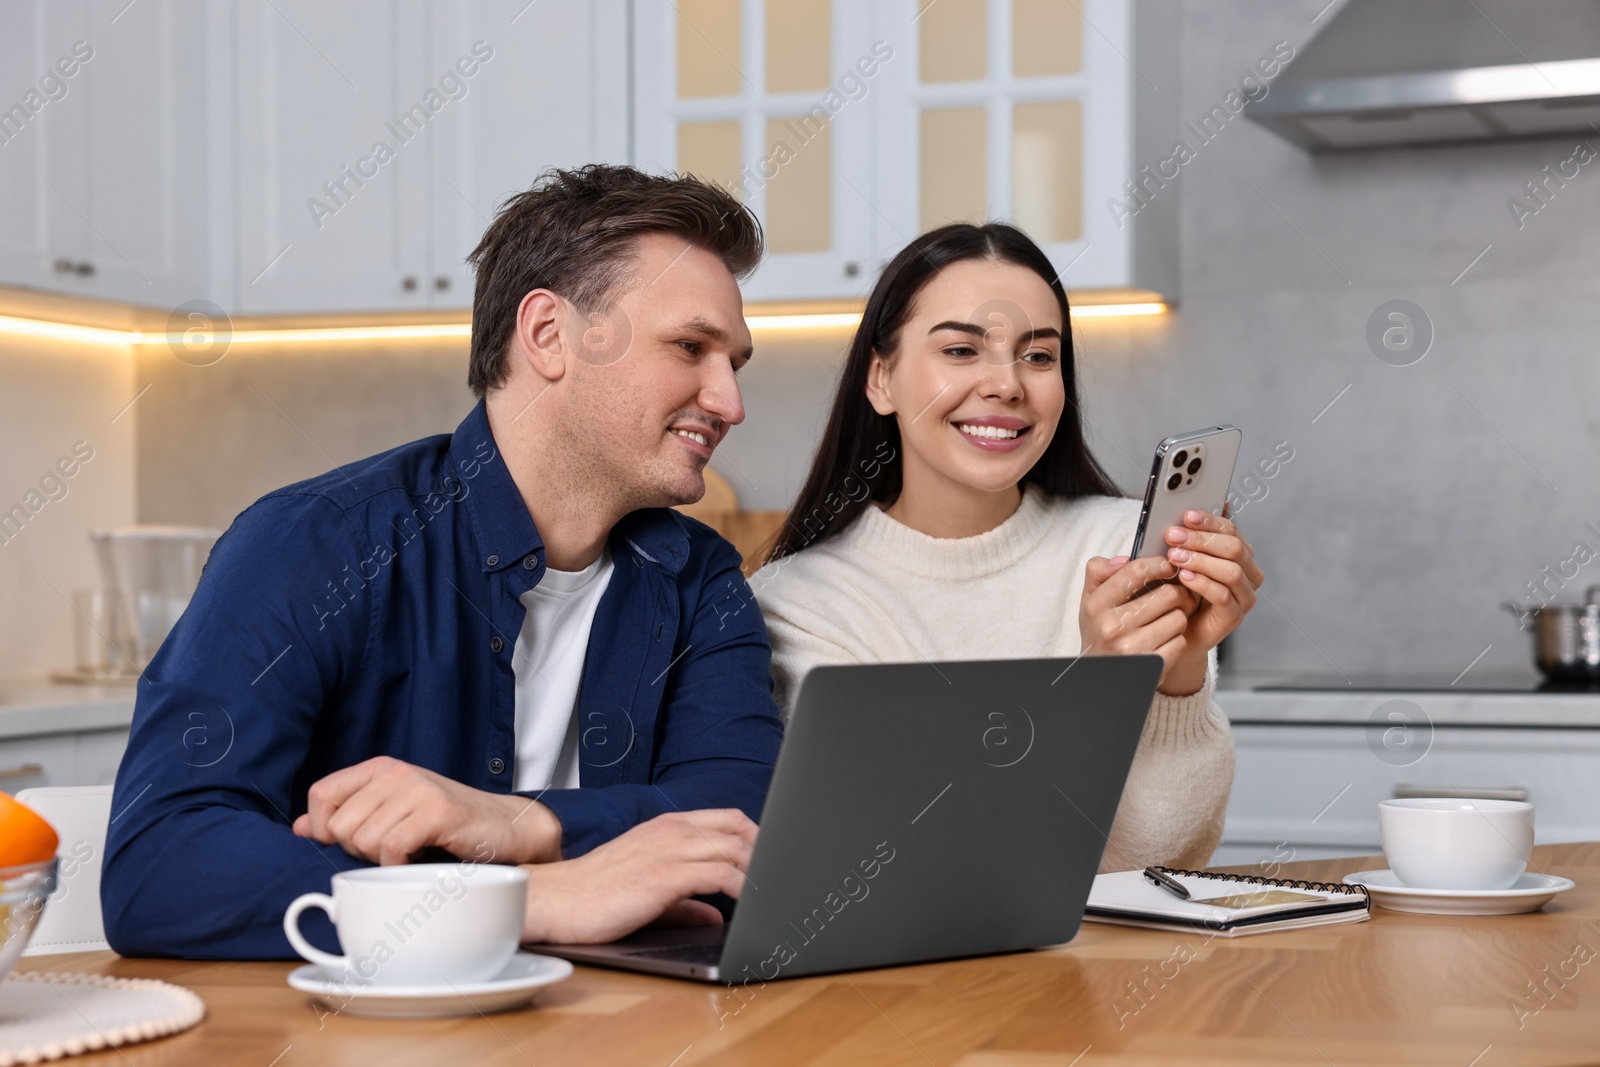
(574, 233)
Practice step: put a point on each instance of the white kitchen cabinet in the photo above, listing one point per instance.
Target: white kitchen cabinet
(331, 208)
(97, 754)
(104, 186)
(550, 95)
(297, 156)
(745, 93)
(290, 155)
(54, 734)
(377, 139)
(1038, 112)
(35, 146)
(30, 762)
(90, 757)
(1312, 767)
(885, 120)
(150, 150)
(1288, 774)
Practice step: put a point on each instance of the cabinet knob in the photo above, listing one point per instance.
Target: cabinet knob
(84, 268)
(441, 283)
(62, 266)
(852, 269)
(408, 283)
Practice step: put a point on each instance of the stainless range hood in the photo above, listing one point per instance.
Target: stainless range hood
(1403, 72)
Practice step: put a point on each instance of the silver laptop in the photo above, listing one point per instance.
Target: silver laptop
(921, 811)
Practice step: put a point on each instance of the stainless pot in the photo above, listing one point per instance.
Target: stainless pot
(1566, 637)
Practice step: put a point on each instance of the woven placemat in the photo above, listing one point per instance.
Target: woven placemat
(48, 1016)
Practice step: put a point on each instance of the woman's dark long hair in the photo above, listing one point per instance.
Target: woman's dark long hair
(859, 458)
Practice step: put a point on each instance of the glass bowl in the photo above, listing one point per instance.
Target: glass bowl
(23, 891)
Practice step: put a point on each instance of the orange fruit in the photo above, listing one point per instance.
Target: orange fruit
(24, 836)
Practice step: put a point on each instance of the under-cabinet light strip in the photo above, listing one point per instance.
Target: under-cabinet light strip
(67, 331)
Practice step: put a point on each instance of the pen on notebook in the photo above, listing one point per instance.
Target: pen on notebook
(1156, 876)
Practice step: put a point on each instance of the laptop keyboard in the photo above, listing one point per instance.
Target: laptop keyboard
(706, 954)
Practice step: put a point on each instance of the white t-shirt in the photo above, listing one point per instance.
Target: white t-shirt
(548, 666)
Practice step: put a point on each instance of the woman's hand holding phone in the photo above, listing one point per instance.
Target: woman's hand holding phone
(1217, 582)
(1131, 607)
(1219, 566)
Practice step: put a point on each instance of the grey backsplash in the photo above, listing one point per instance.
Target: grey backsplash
(1419, 501)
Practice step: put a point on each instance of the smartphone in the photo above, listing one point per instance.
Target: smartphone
(1191, 472)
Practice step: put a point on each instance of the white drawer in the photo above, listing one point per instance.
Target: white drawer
(29, 762)
(1318, 786)
(99, 754)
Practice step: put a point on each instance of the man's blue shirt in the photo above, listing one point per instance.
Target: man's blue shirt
(373, 611)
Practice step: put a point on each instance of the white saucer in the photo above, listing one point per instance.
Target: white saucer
(511, 988)
(1530, 893)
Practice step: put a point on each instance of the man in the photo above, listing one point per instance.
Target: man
(494, 643)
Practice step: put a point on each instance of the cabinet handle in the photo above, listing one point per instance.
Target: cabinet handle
(1414, 792)
(84, 268)
(26, 770)
(408, 283)
(62, 266)
(441, 283)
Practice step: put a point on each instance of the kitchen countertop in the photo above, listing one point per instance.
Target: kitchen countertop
(36, 705)
(1239, 695)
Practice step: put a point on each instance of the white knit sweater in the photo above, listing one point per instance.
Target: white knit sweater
(883, 592)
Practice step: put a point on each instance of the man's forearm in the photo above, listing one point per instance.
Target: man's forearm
(591, 817)
(213, 883)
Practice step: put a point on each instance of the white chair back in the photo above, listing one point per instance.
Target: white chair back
(81, 816)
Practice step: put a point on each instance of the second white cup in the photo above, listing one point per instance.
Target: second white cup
(418, 924)
(1452, 843)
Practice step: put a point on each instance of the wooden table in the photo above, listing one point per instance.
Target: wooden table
(1400, 989)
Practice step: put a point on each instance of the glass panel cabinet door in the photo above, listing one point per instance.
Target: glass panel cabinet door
(1047, 170)
(770, 99)
(952, 166)
(1017, 110)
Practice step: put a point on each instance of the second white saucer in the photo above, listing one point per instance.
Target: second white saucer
(1530, 893)
(511, 988)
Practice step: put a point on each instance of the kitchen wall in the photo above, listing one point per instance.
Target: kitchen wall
(1417, 498)
(57, 395)
(214, 438)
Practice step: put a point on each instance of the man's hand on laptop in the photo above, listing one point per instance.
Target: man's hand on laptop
(643, 876)
(383, 810)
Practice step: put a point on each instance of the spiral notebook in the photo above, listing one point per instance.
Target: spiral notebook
(1226, 905)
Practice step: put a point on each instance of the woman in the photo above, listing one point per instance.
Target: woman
(954, 512)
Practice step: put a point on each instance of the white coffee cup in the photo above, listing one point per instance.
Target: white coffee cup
(1456, 843)
(418, 924)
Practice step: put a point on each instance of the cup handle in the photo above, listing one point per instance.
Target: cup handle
(291, 928)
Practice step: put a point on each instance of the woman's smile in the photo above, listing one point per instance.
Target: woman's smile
(993, 433)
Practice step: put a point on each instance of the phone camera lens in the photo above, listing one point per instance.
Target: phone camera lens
(1174, 481)
(1194, 465)
(1177, 461)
